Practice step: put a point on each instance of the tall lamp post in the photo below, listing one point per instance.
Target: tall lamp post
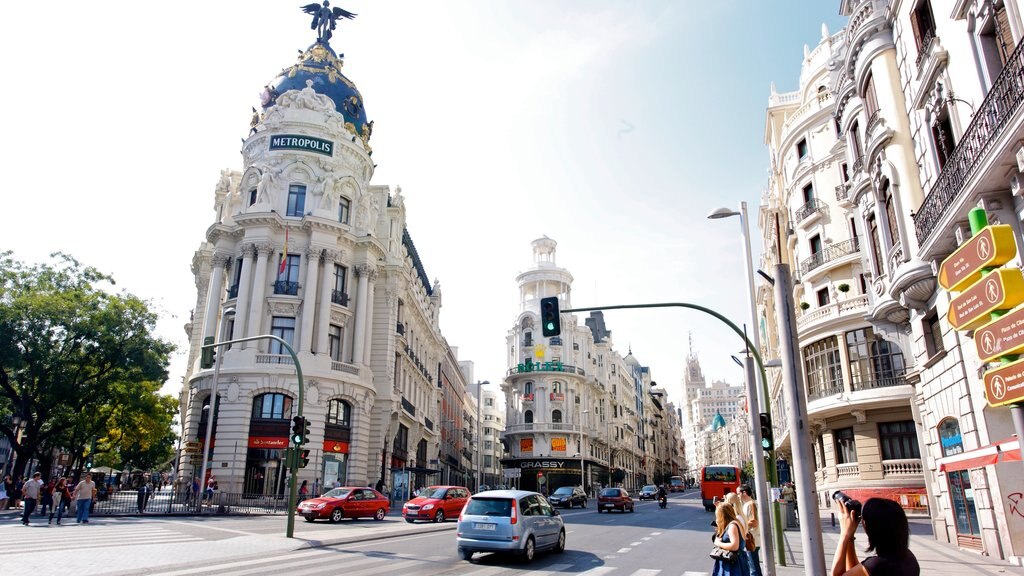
(479, 438)
(583, 482)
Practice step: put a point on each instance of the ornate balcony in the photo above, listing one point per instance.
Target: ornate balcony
(274, 359)
(339, 297)
(812, 207)
(233, 291)
(843, 192)
(408, 406)
(819, 392)
(545, 367)
(1000, 105)
(287, 288)
(400, 329)
(848, 471)
(907, 467)
(895, 378)
(833, 252)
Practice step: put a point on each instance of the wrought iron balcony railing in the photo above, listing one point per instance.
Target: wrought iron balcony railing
(811, 207)
(992, 117)
(843, 192)
(408, 407)
(233, 291)
(824, 391)
(287, 288)
(339, 297)
(830, 253)
(894, 378)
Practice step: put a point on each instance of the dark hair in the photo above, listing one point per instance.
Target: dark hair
(886, 525)
(726, 490)
(746, 490)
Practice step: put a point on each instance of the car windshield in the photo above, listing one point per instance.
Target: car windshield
(650, 488)
(563, 491)
(612, 492)
(431, 492)
(337, 493)
(489, 507)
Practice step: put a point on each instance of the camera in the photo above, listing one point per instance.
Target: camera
(850, 503)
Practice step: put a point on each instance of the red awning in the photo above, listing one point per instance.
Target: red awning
(1003, 451)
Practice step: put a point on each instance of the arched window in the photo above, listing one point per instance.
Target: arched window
(890, 215)
(528, 416)
(949, 437)
(556, 387)
(556, 416)
(339, 412)
(528, 388)
(272, 406)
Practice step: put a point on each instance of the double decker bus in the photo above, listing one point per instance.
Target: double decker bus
(714, 480)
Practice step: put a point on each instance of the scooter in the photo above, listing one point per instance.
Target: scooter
(662, 502)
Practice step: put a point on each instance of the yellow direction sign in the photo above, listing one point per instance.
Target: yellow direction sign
(1001, 290)
(192, 448)
(1001, 337)
(991, 247)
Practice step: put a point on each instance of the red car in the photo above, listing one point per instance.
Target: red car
(611, 498)
(437, 503)
(345, 502)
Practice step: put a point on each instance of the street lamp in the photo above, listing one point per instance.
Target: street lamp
(479, 438)
(583, 483)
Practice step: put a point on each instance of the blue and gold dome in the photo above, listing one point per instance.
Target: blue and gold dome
(322, 66)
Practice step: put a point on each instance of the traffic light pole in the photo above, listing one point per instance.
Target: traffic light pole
(293, 489)
(758, 449)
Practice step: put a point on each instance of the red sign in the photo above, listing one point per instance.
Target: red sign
(1001, 290)
(335, 446)
(1001, 337)
(267, 442)
(991, 247)
(1005, 385)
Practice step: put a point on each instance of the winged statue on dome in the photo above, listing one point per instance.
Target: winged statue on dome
(325, 19)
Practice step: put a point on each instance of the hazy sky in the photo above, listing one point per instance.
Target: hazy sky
(612, 127)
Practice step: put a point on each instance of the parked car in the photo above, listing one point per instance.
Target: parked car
(612, 498)
(345, 502)
(568, 497)
(437, 503)
(515, 521)
(649, 492)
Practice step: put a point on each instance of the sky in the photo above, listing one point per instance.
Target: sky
(613, 128)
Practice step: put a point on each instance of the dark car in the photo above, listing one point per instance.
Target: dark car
(347, 502)
(614, 498)
(568, 497)
(649, 492)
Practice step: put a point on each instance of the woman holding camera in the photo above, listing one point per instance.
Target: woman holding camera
(888, 532)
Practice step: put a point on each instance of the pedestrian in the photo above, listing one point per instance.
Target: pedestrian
(753, 524)
(303, 490)
(31, 491)
(728, 536)
(888, 532)
(84, 494)
(142, 498)
(211, 485)
(46, 498)
(380, 486)
(3, 492)
(194, 490)
(61, 500)
(16, 493)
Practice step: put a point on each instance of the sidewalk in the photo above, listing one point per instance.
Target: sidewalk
(934, 557)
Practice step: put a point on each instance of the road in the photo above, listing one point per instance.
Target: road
(650, 542)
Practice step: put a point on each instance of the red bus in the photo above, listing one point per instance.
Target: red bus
(713, 482)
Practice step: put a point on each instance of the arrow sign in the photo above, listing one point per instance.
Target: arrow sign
(1001, 290)
(1005, 385)
(1001, 337)
(991, 247)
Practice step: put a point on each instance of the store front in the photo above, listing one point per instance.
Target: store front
(545, 475)
(335, 464)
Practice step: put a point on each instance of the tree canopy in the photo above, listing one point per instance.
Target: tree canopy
(80, 366)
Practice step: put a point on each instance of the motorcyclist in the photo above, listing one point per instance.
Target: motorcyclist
(662, 494)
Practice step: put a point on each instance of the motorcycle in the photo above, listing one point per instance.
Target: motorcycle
(662, 502)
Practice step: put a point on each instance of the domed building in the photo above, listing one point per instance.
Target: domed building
(303, 248)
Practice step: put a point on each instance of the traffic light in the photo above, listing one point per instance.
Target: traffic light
(551, 322)
(767, 440)
(208, 354)
(304, 459)
(298, 430)
(305, 431)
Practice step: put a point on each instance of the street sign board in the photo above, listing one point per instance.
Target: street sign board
(1005, 385)
(1001, 337)
(191, 447)
(511, 473)
(195, 459)
(991, 247)
(1001, 290)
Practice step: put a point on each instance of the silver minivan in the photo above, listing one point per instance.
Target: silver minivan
(514, 521)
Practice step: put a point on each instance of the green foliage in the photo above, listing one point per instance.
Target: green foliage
(618, 475)
(747, 472)
(79, 362)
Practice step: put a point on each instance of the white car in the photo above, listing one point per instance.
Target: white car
(515, 521)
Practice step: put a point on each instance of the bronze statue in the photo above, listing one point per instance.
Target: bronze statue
(325, 18)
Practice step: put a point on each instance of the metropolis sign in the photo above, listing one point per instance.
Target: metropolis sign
(300, 142)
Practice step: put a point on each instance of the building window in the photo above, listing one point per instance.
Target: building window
(815, 244)
(344, 207)
(252, 197)
(334, 339)
(288, 275)
(995, 44)
(808, 193)
(284, 328)
(823, 297)
(846, 446)
(339, 412)
(528, 417)
(339, 294)
(876, 246)
(296, 200)
(272, 406)
(487, 460)
(870, 98)
(855, 141)
(923, 23)
(801, 149)
(949, 437)
(556, 416)
(844, 172)
(823, 368)
(932, 334)
(898, 440)
(874, 362)
(942, 138)
(528, 388)
(820, 450)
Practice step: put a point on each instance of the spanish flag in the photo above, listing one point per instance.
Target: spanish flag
(284, 255)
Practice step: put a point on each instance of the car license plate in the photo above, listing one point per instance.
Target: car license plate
(478, 526)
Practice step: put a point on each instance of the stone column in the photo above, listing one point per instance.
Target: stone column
(371, 281)
(363, 308)
(213, 295)
(324, 320)
(309, 299)
(244, 287)
(259, 289)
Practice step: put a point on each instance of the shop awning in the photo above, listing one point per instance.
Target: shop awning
(1007, 450)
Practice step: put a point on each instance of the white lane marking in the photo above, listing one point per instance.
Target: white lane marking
(222, 566)
(623, 550)
(598, 571)
(695, 574)
(204, 525)
(646, 538)
(646, 572)
(655, 533)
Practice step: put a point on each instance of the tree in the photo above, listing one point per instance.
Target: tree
(75, 358)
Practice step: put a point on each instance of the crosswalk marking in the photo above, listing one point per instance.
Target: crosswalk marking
(598, 571)
(646, 572)
(77, 537)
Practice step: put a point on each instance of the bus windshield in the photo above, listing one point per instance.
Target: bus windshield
(720, 474)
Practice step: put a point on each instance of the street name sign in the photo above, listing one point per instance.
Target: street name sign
(192, 448)
(1000, 290)
(991, 247)
(1005, 385)
(1001, 337)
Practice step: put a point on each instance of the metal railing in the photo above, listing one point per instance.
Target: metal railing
(339, 297)
(843, 192)
(895, 379)
(546, 367)
(233, 291)
(819, 392)
(167, 501)
(274, 359)
(542, 427)
(830, 253)
(286, 287)
(1001, 103)
(812, 206)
